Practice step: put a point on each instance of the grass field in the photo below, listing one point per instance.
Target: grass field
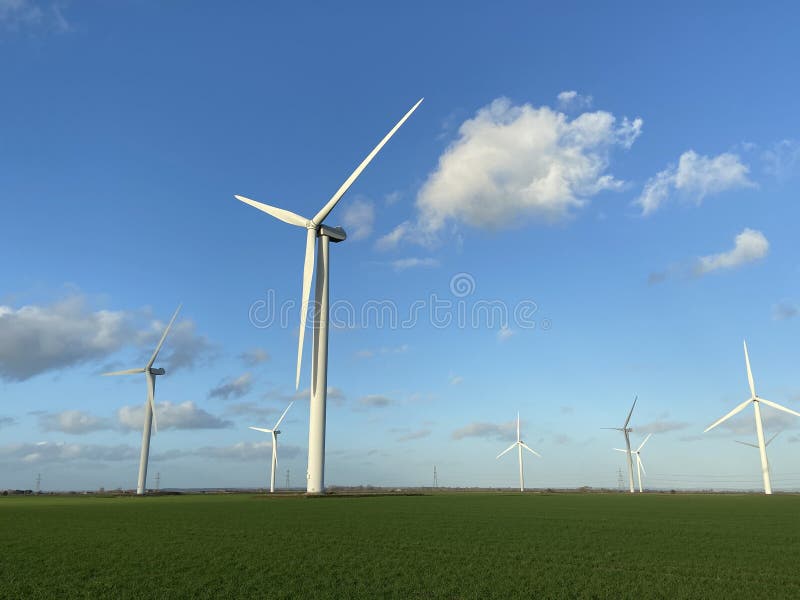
(438, 546)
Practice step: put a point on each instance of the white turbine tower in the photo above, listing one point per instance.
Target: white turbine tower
(519, 445)
(150, 406)
(626, 431)
(319, 364)
(639, 464)
(274, 431)
(756, 401)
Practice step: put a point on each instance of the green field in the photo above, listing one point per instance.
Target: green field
(437, 546)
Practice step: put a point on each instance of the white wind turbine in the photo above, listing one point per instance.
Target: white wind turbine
(274, 431)
(626, 431)
(756, 401)
(519, 444)
(639, 464)
(150, 406)
(319, 364)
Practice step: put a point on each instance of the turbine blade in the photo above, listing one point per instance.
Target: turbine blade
(308, 272)
(517, 426)
(262, 429)
(614, 428)
(283, 415)
(779, 407)
(641, 464)
(279, 213)
(320, 216)
(749, 372)
(524, 445)
(749, 444)
(644, 442)
(509, 449)
(126, 372)
(772, 438)
(620, 450)
(736, 410)
(151, 392)
(163, 337)
(630, 413)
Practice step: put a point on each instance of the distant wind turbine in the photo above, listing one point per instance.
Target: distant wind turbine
(519, 445)
(626, 431)
(756, 402)
(150, 406)
(274, 431)
(319, 364)
(639, 464)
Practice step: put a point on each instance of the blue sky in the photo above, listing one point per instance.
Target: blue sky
(631, 173)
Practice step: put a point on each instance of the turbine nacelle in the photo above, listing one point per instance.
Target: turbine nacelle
(336, 234)
(157, 371)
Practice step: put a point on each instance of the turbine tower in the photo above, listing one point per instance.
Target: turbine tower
(319, 364)
(626, 431)
(274, 431)
(756, 401)
(639, 464)
(519, 444)
(150, 406)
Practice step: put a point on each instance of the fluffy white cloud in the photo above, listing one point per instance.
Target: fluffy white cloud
(73, 421)
(36, 339)
(750, 245)
(358, 219)
(58, 452)
(185, 415)
(695, 177)
(401, 264)
(487, 430)
(572, 100)
(233, 388)
(513, 163)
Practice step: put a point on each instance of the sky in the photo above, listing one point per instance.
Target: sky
(593, 203)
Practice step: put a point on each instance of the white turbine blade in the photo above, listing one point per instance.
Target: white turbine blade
(749, 444)
(620, 450)
(163, 337)
(126, 372)
(262, 429)
(524, 445)
(614, 428)
(308, 272)
(283, 415)
(283, 215)
(749, 372)
(517, 426)
(736, 410)
(641, 464)
(320, 216)
(644, 442)
(509, 449)
(779, 407)
(151, 384)
(630, 413)
(772, 438)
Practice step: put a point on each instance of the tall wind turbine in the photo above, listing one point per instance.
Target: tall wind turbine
(274, 431)
(639, 464)
(319, 365)
(519, 445)
(150, 406)
(756, 401)
(626, 431)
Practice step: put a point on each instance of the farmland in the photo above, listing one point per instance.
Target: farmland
(440, 545)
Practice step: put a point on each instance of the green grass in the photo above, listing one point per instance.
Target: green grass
(440, 546)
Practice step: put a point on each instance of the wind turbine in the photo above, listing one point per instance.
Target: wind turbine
(274, 431)
(150, 406)
(639, 464)
(319, 366)
(625, 431)
(519, 444)
(756, 400)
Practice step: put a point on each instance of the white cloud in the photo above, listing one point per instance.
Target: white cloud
(251, 410)
(782, 160)
(358, 218)
(375, 400)
(58, 452)
(514, 163)
(456, 379)
(572, 100)
(370, 352)
(392, 239)
(504, 333)
(184, 347)
(401, 264)
(254, 357)
(502, 431)
(750, 245)
(185, 415)
(37, 339)
(233, 388)
(16, 15)
(74, 422)
(695, 177)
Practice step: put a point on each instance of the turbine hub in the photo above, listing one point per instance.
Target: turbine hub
(157, 371)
